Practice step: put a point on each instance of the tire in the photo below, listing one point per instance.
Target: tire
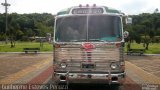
(116, 87)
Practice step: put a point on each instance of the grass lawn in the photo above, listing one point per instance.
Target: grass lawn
(20, 45)
(154, 48)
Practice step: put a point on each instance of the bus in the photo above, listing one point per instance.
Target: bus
(89, 46)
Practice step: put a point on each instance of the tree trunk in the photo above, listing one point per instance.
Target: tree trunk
(12, 42)
(128, 46)
(147, 45)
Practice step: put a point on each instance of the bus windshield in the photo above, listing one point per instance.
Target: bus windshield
(88, 28)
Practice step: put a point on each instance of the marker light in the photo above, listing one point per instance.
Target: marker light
(80, 5)
(57, 46)
(87, 5)
(94, 5)
(118, 44)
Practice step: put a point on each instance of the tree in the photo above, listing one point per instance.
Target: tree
(13, 29)
(156, 10)
(2, 27)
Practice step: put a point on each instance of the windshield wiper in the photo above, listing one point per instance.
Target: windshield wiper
(80, 40)
(84, 40)
(97, 40)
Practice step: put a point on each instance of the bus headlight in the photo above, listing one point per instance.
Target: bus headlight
(113, 65)
(63, 65)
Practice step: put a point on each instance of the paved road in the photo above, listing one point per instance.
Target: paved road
(38, 70)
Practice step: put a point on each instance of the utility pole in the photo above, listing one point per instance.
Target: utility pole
(6, 27)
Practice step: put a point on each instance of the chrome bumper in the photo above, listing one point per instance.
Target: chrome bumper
(80, 77)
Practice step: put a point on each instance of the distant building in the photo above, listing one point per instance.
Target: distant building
(39, 39)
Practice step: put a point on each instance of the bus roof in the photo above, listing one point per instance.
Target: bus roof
(105, 8)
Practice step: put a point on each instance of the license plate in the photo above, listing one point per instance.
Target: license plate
(88, 65)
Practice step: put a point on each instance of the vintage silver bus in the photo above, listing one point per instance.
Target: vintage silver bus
(89, 45)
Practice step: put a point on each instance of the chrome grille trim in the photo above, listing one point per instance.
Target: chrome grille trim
(78, 54)
(102, 56)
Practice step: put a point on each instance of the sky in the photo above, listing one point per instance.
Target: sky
(129, 7)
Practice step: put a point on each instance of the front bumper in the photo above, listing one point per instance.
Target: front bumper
(89, 77)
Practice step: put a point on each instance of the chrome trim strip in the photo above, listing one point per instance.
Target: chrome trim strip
(118, 74)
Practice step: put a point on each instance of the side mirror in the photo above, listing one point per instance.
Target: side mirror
(128, 20)
(126, 34)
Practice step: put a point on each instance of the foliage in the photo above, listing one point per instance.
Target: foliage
(144, 25)
(26, 25)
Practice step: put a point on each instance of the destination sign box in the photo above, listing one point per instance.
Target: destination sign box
(87, 11)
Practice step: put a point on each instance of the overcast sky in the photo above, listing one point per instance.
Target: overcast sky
(53, 6)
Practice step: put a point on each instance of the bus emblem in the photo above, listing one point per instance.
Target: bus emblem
(88, 46)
